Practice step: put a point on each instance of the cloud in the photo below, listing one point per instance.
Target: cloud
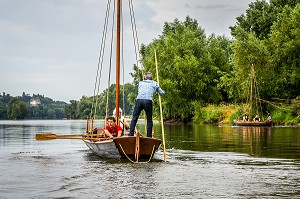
(52, 47)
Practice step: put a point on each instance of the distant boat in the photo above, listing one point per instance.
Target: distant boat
(250, 121)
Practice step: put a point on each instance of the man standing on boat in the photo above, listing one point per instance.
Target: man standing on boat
(146, 89)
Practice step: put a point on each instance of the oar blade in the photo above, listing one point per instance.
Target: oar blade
(45, 136)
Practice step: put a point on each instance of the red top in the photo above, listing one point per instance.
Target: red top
(113, 132)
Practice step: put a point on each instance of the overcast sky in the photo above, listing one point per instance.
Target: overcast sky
(51, 47)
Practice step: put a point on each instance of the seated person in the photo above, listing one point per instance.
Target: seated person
(112, 129)
(122, 119)
(245, 117)
(256, 119)
(269, 117)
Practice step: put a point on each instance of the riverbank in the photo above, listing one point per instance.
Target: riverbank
(226, 113)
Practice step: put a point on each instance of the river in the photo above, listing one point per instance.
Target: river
(203, 161)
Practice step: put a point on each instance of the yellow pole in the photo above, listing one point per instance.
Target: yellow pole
(161, 113)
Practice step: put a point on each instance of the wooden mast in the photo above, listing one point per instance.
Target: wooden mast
(118, 59)
(251, 92)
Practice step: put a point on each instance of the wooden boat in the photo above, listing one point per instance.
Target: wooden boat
(250, 121)
(131, 147)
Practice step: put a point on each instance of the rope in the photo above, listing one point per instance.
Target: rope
(256, 102)
(123, 68)
(151, 154)
(96, 96)
(126, 154)
(135, 37)
(100, 61)
(110, 63)
(136, 47)
(274, 105)
(136, 161)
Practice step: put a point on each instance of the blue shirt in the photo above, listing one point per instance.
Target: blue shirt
(147, 88)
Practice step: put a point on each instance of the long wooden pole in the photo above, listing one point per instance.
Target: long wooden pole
(118, 60)
(161, 113)
(251, 93)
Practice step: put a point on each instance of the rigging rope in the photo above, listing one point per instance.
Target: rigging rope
(136, 46)
(96, 97)
(258, 102)
(100, 63)
(110, 63)
(135, 37)
(123, 67)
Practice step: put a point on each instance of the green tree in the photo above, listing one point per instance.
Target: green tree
(95, 107)
(71, 110)
(189, 68)
(3, 109)
(248, 50)
(84, 107)
(260, 17)
(284, 43)
(17, 109)
(266, 37)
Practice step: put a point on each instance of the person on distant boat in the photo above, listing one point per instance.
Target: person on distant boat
(112, 129)
(123, 122)
(256, 119)
(269, 117)
(245, 117)
(146, 89)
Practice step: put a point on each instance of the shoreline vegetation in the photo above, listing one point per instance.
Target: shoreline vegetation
(224, 114)
(287, 113)
(39, 107)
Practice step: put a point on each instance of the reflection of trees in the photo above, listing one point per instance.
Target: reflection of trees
(251, 140)
(256, 140)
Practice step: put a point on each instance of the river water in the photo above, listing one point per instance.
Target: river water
(203, 161)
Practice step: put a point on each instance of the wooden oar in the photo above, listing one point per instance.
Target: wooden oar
(52, 136)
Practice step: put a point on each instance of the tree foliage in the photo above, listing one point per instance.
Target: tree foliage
(19, 107)
(95, 107)
(190, 66)
(284, 43)
(267, 36)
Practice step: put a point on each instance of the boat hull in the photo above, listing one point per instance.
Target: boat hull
(125, 146)
(105, 148)
(249, 123)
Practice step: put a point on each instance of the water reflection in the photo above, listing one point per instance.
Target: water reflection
(203, 161)
(256, 140)
(276, 142)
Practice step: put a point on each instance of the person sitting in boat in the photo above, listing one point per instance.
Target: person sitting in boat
(269, 117)
(123, 122)
(256, 118)
(245, 117)
(112, 129)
